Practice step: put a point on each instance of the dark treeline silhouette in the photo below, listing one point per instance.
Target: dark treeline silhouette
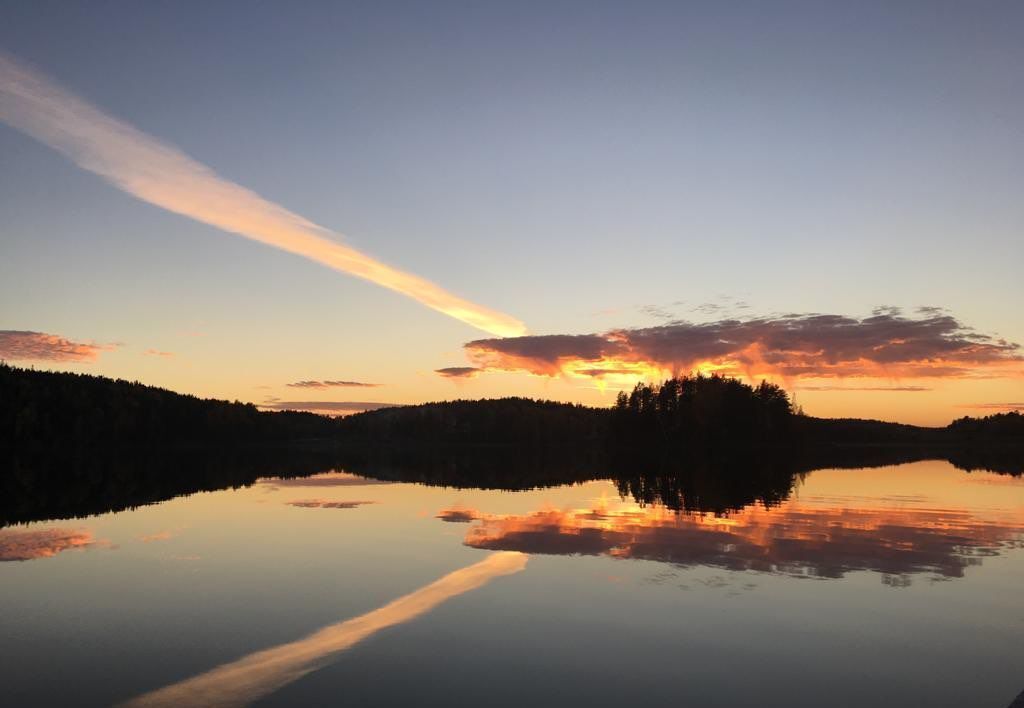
(500, 421)
(41, 408)
(678, 416)
(702, 412)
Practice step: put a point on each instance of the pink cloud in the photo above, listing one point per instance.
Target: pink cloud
(20, 344)
(42, 543)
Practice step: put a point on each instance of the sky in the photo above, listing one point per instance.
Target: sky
(285, 203)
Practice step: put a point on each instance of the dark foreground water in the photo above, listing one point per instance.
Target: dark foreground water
(895, 586)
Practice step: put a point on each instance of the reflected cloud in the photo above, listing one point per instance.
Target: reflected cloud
(887, 345)
(458, 515)
(159, 536)
(42, 543)
(17, 345)
(825, 539)
(246, 680)
(162, 175)
(327, 504)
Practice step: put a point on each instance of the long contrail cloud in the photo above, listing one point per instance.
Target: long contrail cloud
(163, 175)
(252, 677)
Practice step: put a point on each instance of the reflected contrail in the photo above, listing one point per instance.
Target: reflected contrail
(162, 175)
(256, 675)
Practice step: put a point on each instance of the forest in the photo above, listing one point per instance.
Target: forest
(683, 416)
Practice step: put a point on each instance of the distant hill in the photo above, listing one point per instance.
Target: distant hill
(499, 421)
(44, 408)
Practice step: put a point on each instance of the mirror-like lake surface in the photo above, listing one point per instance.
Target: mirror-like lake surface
(894, 586)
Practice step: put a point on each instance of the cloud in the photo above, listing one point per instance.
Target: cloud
(458, 372)
(994, 406)
(162, 175)
(865, 388)
(332, 384)
(886, 344)
(327, 504)
(19, 344)
(248, 679)
(43, 543)
(157, 352)
(158, 536)
(325, 407)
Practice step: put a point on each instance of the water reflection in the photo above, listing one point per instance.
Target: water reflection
(243, 681)
(48, 486)
(42, 543)
(817, 538)
(327, 504)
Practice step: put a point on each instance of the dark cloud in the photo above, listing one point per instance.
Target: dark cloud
(18, 345)
(332, 384)
(458, 515)
(326, 407)
(886, 344)
(458, 372)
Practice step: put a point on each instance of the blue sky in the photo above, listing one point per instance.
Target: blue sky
(565, 163)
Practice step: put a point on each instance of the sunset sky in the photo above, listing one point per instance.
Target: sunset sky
(336, 206)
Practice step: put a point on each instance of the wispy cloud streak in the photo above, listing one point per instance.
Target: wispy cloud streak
(332, 384)
(162, 175)
(256, 675)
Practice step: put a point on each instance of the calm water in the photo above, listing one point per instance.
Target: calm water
(896, 586)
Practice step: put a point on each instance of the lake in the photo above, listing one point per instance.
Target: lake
(890, 586)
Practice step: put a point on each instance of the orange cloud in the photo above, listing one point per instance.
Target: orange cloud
(162, 175)
(19, 345)
(886, 344)
(157, 352)
(44, 543)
